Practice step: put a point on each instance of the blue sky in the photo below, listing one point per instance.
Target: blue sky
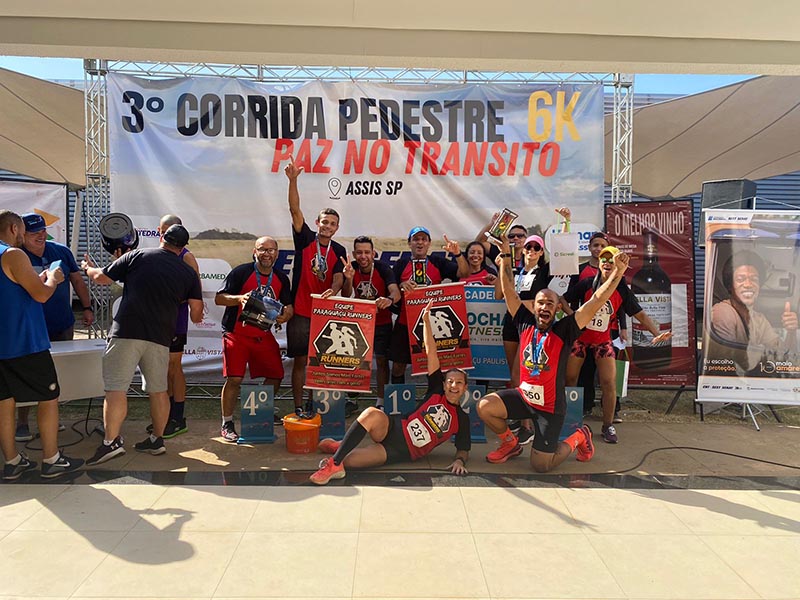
(72, 68)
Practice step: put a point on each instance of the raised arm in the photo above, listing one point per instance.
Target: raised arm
(585, 313)
(430, 342)
(510, 295)
(454, 249)
(293, 172)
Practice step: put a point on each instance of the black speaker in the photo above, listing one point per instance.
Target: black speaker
(726, 193)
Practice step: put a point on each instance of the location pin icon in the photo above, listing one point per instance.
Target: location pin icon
(334, 185)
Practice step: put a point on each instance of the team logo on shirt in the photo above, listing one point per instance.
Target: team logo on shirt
(438, 419)
(366, 291)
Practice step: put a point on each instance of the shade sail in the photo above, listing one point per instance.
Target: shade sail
(41, 129)
(747, 130)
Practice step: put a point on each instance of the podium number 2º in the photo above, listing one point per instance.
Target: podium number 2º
(251, 403)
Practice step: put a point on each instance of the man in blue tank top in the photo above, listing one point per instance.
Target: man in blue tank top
(58, 314)
(27, 372)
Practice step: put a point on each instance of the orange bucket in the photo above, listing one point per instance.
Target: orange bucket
(302, 435)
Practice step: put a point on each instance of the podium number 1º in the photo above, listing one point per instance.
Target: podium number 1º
(406, 397)
(251, 403)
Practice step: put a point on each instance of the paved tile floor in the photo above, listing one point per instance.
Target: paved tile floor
(730, 530)
(149, 541)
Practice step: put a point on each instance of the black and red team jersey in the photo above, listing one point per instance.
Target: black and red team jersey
(437, 269)
(479, 278)
(304, 281)
(543, 360)
(587, 271)
(242, 279)
(598, 330)
(373, 285)
(434, 421)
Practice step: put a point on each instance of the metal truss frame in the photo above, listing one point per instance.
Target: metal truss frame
(98, 195)
(622, 149)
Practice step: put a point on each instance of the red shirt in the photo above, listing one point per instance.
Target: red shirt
(543, 387)
(373, 285)
(598, 331)
(304, 281)
(437, 269)
(435, 421)
(479, 278)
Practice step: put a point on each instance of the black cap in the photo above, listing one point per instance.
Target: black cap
(176, 236)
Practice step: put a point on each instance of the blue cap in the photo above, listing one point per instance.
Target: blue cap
(33, 223)
(417, 230)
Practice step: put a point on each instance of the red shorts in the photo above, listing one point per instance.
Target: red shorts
(262, 353)
(602, 350)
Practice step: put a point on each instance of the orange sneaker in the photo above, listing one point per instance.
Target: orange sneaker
(329, 446)
(327, 470)
(508, 449)
(586, 447)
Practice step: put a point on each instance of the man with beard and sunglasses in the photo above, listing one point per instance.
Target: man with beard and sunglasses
(544, 349)
(367, 278)
(244, 344)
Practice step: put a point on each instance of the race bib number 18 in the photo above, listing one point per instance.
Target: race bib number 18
(534, 394)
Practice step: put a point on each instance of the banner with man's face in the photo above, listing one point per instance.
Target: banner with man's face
(752, 293)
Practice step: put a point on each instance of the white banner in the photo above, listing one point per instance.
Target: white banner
(752, 293)
(386, 157)
(46, 199)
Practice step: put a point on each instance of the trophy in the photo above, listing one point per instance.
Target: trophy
(501, 224)
(420, 271)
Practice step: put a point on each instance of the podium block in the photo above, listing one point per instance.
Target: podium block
(574, 417)
(329, 404)
(258, 413)
(400, 399)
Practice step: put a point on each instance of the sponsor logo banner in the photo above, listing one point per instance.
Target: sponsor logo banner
(340, 344)
(485, 319)
(449, 324)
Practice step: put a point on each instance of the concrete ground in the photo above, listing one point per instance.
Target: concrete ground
(646, 518)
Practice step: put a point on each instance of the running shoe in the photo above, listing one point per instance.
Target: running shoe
(174, 428)
(508, 449)
(13, 472)
(329, 446)
(228, 432)
(525, 436)
(63, 465)
(617, 418)
(23, 433)
(514, 426)
(609, 433)
(350, 407)
(107, 452)
(151, 447)
(586, 447)
(327, 470)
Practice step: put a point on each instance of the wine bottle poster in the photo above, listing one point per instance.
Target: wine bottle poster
(659, 237)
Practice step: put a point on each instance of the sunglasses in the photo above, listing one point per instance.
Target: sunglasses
(512, 236)
(535, 247)
(607, 260)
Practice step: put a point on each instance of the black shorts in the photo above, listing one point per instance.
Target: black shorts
(546, 426)
(30, 378)
(395, 442)
(382, 339)
(510, 332)
(399, 348)
(298, 330)
(178, 343)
